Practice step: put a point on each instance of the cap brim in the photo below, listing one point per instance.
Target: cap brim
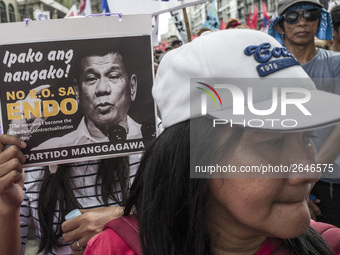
(323, 107)
(303, 1)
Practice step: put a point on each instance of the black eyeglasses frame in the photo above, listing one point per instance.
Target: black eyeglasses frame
(301, 13)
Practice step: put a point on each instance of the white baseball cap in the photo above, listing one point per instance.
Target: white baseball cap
(249, 61)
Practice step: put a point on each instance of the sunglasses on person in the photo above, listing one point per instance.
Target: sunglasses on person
(294, 17)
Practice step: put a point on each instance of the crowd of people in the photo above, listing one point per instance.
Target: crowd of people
(152, 203)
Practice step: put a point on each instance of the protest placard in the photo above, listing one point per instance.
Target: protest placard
(78, 95)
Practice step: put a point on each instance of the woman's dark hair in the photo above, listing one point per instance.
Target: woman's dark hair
(171, 207)
(57, 192)
(309, 243)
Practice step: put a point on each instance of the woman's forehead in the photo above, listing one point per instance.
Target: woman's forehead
(265, 133)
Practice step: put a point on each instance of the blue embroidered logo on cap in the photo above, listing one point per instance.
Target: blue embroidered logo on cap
(263, 55)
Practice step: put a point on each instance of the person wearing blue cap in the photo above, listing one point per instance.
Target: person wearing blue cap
(296, 27)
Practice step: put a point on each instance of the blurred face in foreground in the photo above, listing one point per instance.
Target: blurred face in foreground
(251, 209)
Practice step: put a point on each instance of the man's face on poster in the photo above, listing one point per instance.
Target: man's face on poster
(105, 91)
